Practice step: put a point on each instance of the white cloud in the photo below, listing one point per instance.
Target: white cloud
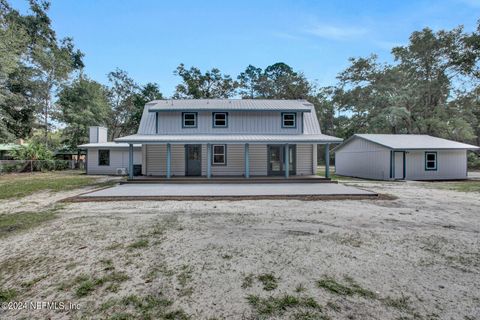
(337, 32)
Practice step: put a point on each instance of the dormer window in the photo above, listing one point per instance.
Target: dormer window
(220, 119)
(189, 119)
(289, 120)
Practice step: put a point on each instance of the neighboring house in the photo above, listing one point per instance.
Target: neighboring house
(219, 137)
(401, 157)
(5, 150)
(103, 157)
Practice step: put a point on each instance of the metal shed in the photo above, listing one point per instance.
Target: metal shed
(402, 157)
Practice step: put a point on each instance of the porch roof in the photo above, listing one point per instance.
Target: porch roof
(228, 138)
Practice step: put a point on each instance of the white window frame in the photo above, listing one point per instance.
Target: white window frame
(435, 161)
(294, 125)
(224, 154)
(215, 125)
(194, 120)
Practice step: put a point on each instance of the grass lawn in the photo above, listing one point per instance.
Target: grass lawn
(461, 186)
(21, 185)
(333, 176)
(10, 223)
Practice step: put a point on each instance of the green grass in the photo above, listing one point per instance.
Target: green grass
(269, 281)
(277, 306)
(21, 221)
(22, 185)
(461, 186)
(139, 244)
(84, 284)
(349, 288)
(7, 295)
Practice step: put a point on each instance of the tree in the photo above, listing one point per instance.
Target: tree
(81, 105)
(148, 92)
(121, 97)
(208, 85)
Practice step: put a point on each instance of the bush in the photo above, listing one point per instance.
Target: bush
(473, 160)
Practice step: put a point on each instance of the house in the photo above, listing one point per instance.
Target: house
(401, 157)
(103, 157)
(217, 137)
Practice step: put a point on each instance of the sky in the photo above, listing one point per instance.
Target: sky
(149, 39)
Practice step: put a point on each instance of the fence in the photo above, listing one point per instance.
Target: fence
(19, 166)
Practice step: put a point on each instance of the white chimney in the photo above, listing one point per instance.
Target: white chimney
(98, 134)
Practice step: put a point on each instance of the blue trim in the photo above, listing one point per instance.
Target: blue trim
(301, 115)
(224, 155)
(436, 161)
(213, 120)
(247, 161)
(156, 122)
(294, 120)
(327, 161)
(404, 165)
(209, 160)
(391, 164)
(183, 120)
(130, 161)
(287, 161)
(169, 160)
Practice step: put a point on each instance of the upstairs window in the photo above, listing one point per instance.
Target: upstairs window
(219, 154)
(189, 119)
(220, 119)
(430, 161)
(103, 157)
(289, 120)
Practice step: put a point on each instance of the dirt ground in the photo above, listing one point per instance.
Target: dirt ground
(416, 257)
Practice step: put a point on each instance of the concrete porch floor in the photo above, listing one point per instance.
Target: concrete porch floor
(257, 190)
(228, 179)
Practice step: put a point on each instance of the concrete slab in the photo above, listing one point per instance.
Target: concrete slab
(228, 190)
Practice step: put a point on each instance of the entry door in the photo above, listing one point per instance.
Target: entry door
(276, 160)
(399, 165)
(193, 159)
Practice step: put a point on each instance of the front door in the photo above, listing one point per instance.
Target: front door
(193, 159)
(276, 160)
(399, 158)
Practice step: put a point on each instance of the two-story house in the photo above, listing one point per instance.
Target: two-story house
(223, 137)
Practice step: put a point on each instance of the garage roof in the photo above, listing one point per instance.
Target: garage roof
(411, 142)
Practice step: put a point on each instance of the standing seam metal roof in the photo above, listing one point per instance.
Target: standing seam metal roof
(229, 105)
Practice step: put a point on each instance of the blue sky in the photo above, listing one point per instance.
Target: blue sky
(149, 39)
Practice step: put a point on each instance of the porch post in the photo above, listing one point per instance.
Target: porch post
(209, 160)
(287, 161)
(169, 160)
(247, 161)
(130, 161)
(327, 161)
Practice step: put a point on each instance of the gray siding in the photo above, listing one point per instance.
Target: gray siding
(451, 164)
(304, 159)
(250, 122)
(364, 159)
(156, 160)
(118, 159)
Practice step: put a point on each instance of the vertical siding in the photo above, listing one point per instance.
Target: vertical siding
(451, 164)
(178, 159)
(118, 159)
(364, 159)
(238, 122)
(304, 159)
(315, 158)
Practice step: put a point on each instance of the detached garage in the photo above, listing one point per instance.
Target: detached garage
(401, 157)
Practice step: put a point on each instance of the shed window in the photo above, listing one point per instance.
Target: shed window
(219, 154)
(430, 161)
(189, 119)
(220, 119)
(103, 157)
(289, 120)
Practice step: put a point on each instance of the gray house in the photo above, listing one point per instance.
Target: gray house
(224, 137)
(401, 157)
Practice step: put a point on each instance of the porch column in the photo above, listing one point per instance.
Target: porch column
(169, 160)
(327, 161)
(130, 161)
(247, 161)
(287, 161)
(209, 160)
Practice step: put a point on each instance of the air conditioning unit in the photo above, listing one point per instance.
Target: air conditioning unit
(121, 171)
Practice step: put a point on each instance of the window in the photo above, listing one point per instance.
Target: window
(220, 119)
(219, 154)
(430, 161)
(189, 119)
(103, 157)
(289, 120)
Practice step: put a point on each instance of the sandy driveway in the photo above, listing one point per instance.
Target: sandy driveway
(416, 257)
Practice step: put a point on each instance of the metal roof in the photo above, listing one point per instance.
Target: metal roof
(229, 138)
(107, 145)
(229, 105)
(411, 142)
